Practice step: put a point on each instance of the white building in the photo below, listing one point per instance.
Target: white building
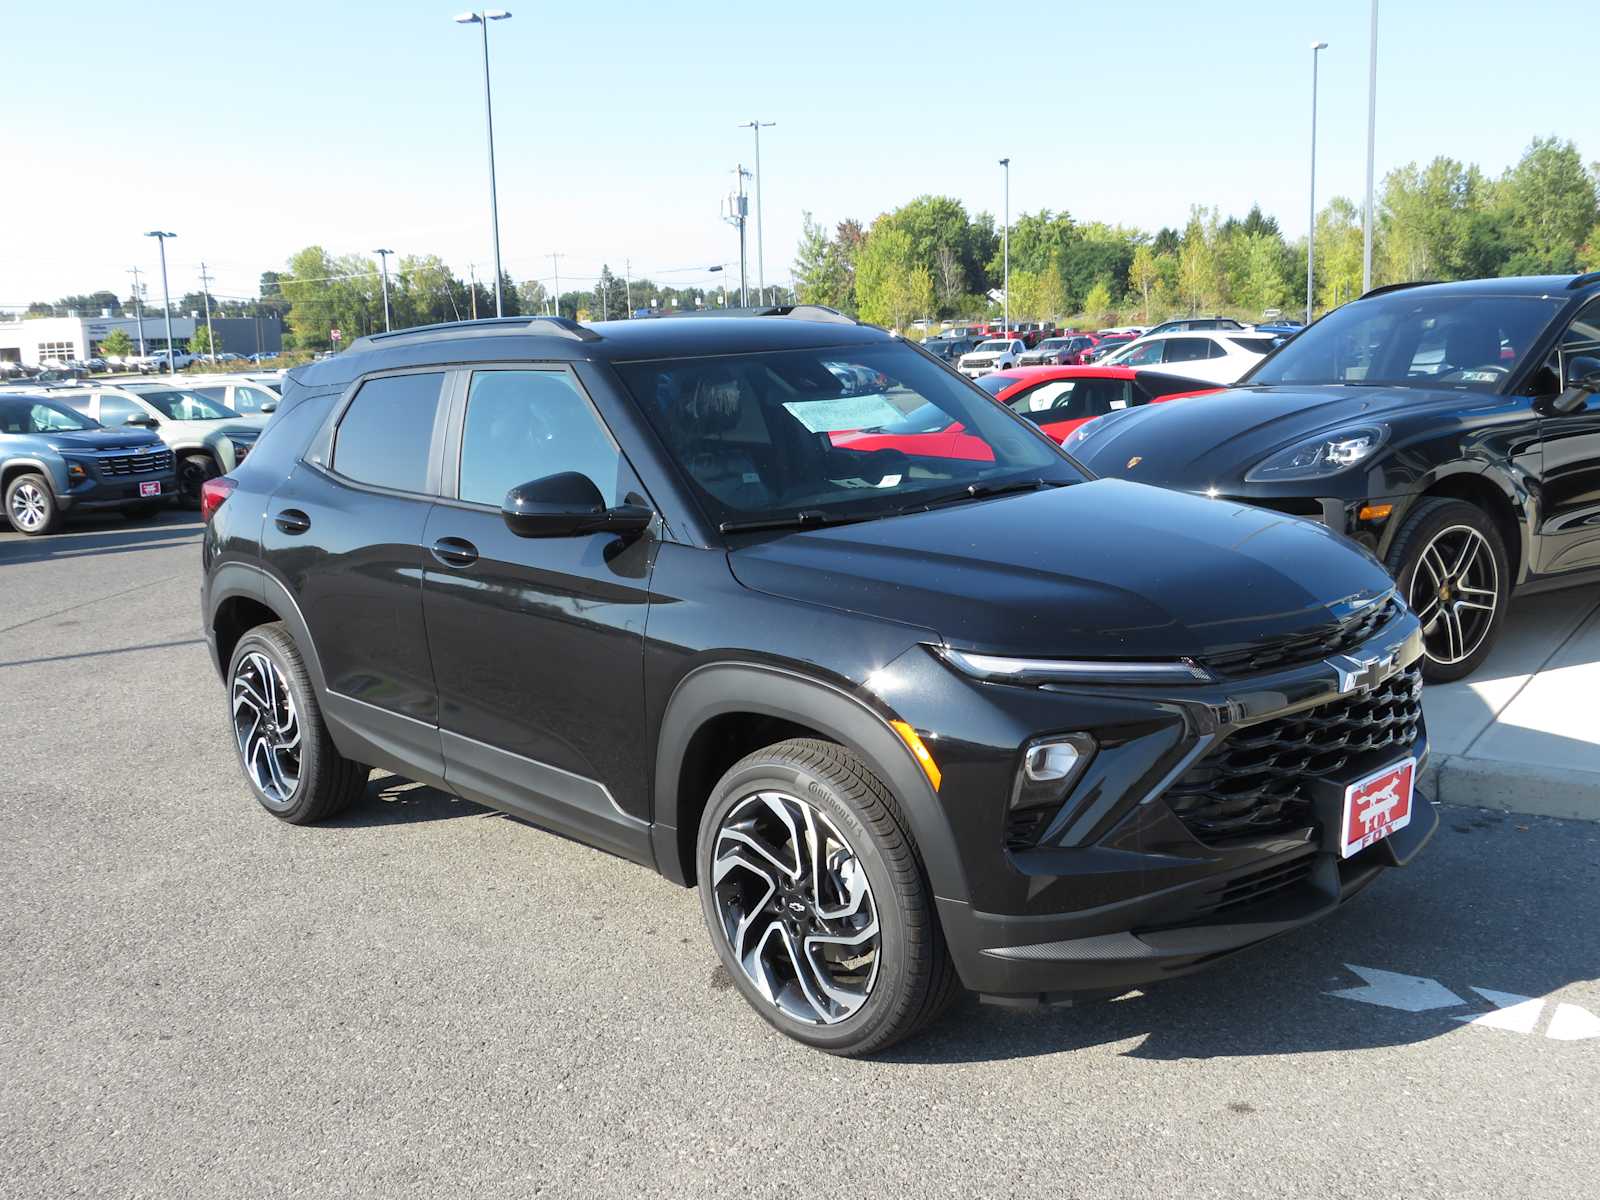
(62, 338)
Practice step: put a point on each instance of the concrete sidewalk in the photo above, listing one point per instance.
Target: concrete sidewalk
(1522, 733)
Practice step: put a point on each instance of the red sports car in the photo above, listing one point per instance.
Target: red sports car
(1057, 399)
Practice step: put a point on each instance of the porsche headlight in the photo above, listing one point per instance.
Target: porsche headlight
(1320, 456)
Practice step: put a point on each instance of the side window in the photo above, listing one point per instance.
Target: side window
(524, 425)
(250, 399)
(1580, 348)
(78, 402)
(1052, 399)
(1188, 349)
(1101, 396)
(1144, 355)
(115, 410)
(219, 394)
(385, 435)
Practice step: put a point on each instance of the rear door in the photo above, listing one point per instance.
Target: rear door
(538, 643)
(1571, 452)
(344, 534)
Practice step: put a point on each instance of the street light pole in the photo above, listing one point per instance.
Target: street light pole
(483, 18)
(761, 259)
(1372, 129)
(166, 296)
(1005, 252)
(383, 257)
(1311, 232)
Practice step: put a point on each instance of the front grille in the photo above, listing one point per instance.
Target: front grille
(1252, 782)
(1259, 885)
(1336, 637)
(136, 464)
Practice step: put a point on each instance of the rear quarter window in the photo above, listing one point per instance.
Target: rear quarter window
(386, 434)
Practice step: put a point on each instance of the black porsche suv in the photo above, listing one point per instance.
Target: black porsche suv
(1450, 428)
(907, 723)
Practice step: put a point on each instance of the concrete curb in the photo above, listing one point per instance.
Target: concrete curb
(1513, 787)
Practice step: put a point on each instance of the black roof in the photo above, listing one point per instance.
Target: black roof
(1511, 285)
(559, 339)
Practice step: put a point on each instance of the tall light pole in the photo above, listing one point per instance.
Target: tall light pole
(1311, 232)
(555, 265)
(483, 18)
(1372, 129)
(383, 257)
(761, 261)
(166, 296)
(1005, 252)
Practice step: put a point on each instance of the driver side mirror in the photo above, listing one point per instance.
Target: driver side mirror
(1576, 396)
(142, 422)
(568, 504)
(269, 406)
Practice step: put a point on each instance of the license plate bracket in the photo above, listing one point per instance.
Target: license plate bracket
(1377, 805)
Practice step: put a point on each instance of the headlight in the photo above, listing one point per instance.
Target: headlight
(1050, 766)
(1320, 456)
(76, 471)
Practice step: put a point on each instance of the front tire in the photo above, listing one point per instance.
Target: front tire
(31, 505)
(816, 900)
(193, 471)
(1452, 567)
(293, 768)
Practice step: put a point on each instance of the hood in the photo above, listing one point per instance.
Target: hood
(1214, 439)
(1105, 569)
(103, 439)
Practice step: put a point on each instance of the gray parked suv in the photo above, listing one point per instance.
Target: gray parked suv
(54, 460)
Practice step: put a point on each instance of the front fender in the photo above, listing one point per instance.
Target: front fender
(841, 716)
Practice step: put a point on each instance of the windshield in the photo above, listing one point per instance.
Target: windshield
(178, 405)
(995, 383)
(1052, 344)
(1411, 339)
(27, 415)
(764, 436)
(989, 346)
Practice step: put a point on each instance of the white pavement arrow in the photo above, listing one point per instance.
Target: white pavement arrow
(1519, 1014)
(1572, 1024)
(1390, 989)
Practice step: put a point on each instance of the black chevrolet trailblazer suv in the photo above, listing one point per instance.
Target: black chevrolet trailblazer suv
(907, 723)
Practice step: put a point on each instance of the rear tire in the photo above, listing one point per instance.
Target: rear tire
(31, 505)
(874, 965)
(1451, 564)
(294, 770)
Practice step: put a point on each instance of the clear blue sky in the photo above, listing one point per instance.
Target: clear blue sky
(356, 125)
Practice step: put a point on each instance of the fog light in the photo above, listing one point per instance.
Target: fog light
(1054, 761)
(1050, 766)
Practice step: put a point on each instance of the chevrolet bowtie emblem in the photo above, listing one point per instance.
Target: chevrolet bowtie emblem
(1134, 461)
(1361, 674)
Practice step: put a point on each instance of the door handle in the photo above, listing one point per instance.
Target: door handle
(292, 520)
(455, 552)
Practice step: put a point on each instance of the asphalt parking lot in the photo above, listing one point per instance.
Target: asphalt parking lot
(425, 998)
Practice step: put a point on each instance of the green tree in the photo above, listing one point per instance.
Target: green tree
(892, 287)
(1339, 253)
(116, 344)
(1551, 204)
(534, 295)
(824, 267)
(1199, 271)
(940, 223)
(1143, 277)
(200, 342)
(1097, 305)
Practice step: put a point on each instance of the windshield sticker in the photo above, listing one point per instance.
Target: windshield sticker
(847, 412)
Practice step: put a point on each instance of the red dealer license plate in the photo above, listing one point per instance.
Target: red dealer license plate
(153, 488)
(1377, 806)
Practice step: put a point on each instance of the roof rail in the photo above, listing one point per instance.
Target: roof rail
(794, 312)
(1395, 287)
(554, 326)
(1584, 280)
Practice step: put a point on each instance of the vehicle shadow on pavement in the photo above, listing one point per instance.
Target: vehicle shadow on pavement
(1499, 901)
(391, 800)
(113, 536)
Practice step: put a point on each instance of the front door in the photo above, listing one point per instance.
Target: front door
(1570, 532)
(538, 643)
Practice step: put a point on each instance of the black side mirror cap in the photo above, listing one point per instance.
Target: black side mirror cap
(143, 422)
(568, 504)
(1573, 400)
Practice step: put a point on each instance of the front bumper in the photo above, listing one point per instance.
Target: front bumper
(121, 492)
(1167, 934)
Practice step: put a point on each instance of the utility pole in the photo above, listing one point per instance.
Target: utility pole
(138, 307)
(205, 295)
(161, 237)
(737, 214)
(1005, 251)
(761, 258)
(472, 273)
(383, 257)
(555, 265)
(600, 294)
(1372, 130)
(627, 288)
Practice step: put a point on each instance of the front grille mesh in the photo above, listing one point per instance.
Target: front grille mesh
(1252, 782)
(1333, 638)
(135, 464)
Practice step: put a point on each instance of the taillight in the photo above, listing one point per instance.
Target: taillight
(212, 493)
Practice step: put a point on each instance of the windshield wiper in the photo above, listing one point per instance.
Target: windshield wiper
(983, 491)
(806, 518)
